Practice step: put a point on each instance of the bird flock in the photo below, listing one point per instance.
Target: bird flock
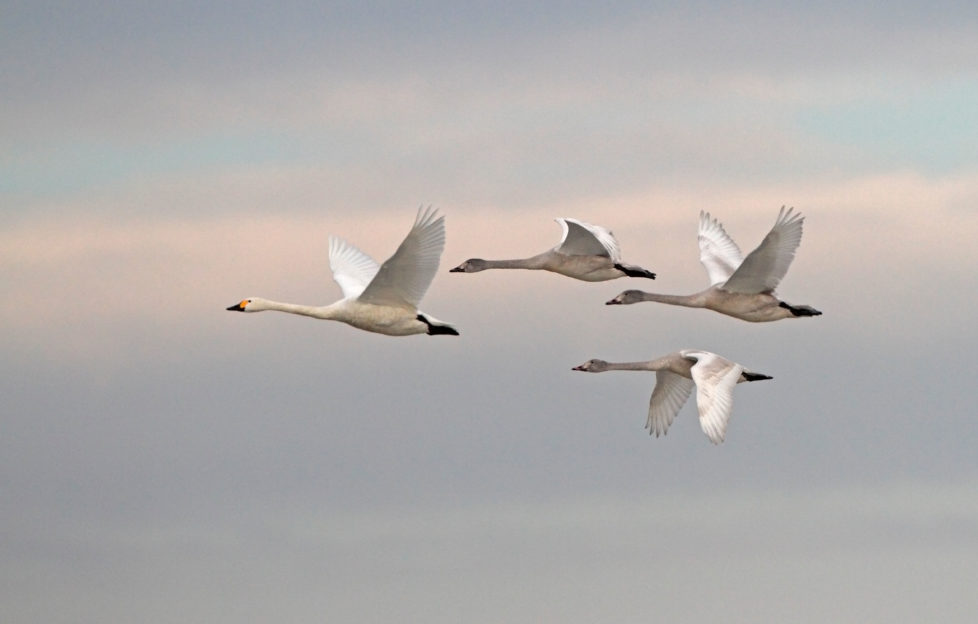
(384, 298)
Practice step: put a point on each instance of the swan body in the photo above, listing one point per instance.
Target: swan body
(379, 298)
(675, 375)
(585, 252)
(740, 287)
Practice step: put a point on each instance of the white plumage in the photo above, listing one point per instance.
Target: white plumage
(586, 252)
(675, 376)
(379, 298)
(740, 287)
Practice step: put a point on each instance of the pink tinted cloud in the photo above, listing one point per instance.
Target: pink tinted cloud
(70, 282)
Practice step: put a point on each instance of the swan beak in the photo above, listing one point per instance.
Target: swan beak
(613, 302)
(238, 307)
(457, 269)
(578, 368)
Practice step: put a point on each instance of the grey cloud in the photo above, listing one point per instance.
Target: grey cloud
(163, 460)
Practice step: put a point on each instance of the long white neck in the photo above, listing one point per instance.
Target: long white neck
(320, 312)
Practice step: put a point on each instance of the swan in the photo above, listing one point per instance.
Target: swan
(379, 298)
(675, 375)
(585, 252)
(740, 287)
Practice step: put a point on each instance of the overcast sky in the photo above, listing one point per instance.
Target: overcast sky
(164, 461)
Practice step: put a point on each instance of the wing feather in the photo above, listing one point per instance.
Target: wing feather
(764, 268)
(405, 277)
(715, 378)
(584, 239)
(718, 252)
(670, 394)
(352, 269)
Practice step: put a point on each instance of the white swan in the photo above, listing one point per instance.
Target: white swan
(586, 252)
(740, 287)
(675, 375)
(379, 298)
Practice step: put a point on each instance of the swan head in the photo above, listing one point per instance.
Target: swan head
(472, 265)
(592, 366)
(252, 304)
(626, 298)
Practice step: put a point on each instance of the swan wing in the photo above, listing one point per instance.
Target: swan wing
(584, 239)
(718, 253)
(764, 268)
(405, 277)
(352, 269)
(670, 394)
(715, 378)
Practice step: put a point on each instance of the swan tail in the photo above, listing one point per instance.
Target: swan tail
(800, 310)
(634, 271)
(436, 327)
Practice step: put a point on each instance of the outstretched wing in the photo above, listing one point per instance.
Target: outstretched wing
(584, 239)
(405, 277)
(715, 378)
(764, 268)
(718, 253)
(670, 394)
(352, 269)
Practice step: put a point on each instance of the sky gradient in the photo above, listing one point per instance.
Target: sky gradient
(165, 461)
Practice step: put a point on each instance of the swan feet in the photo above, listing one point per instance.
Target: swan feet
(800, 310)
(749, 376)
(634, 271)
(435, 330)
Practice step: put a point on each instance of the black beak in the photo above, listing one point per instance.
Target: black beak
(580, 368)
(457, 269)
(613, 302)
(235, 308)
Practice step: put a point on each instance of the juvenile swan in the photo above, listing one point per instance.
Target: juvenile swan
(675, 375)
(586, 252)
(740, 287)
(382, 299)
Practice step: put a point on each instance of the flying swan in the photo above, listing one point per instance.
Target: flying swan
(740, 287)
(675, 375)
(586, 252)
(382, 299)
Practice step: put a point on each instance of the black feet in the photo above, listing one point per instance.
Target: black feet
(749, 376)
(800, 310)
(632, 271)
(435, 330)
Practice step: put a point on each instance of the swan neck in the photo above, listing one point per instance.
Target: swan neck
(689, 301)
(634, 366)
(535, 262)
(320, 312)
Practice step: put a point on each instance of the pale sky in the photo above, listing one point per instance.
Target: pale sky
(164, 461)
